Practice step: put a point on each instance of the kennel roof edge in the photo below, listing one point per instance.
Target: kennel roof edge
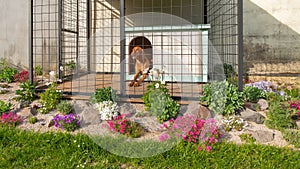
(192, 27)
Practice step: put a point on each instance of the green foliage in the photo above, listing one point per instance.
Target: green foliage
(38, 70)
(33, 120)
(231, 75)
(279, 116)
(4, 107)
(7, 74)
(71, 65)
(159, 103)
(27, 92)
(65, 107)
(292, 136)
(104, 94)
(49, 99)
(292, 93)
(253, 94)
(222, 97)
(20, 149)
(246, 137)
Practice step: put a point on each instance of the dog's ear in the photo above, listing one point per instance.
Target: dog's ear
(136, 51)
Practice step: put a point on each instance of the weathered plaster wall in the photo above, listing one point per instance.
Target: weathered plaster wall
(14, 26)
(272, 37)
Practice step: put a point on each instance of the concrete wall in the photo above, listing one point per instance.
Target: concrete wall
(272, 38)
(14, 26)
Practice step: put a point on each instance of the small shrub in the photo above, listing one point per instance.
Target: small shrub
(246, 137)
(22, 76)
(7, 74)
(126, 127)
(38, 70)
(65, 107)
(292, 136)
(69, 122)
(103, 94)
(27, 92)
(4, 107)
(108, 110)
(203, 132)
(159, 103)
(233, 122)
(49, 99)
(33, 120)
(222, 97)
(253, 94)
(10, 119)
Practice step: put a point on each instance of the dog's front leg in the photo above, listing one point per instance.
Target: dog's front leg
(144, 76)
(132, 82)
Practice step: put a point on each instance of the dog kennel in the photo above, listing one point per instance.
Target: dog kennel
(188, 41)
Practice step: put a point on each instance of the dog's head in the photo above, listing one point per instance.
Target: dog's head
(136, 52)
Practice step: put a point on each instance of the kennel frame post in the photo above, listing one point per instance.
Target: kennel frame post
(30, 66)
(122, 47)
(240, 45)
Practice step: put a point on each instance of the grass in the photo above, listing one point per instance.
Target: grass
(23, 149)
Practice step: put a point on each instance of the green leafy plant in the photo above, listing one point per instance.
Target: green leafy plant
(292, 93)
(159, 103)
(49, 99)
(65, 107)
(33, 120)
(71, 65)
(7, 74)
(279, 115)
(126, 127)
(27, 92)
(222, 97)
(253, 94)
(247, 137)
(103, 94)
(4, 107)
(231, 75)
(38, 70)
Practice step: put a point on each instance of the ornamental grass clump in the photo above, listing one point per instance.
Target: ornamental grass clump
(191, 129)
(108, 110)
(10, 119)
(69, 122)
(126, 127)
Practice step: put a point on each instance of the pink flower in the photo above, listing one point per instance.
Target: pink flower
(208, 148)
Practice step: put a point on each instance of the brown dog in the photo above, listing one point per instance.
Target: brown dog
(142, 65)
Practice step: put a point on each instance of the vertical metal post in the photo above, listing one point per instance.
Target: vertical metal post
(30, 66)
(122, 47)
(240, 45)
(59, 2)
(88, 34)
(77, 36)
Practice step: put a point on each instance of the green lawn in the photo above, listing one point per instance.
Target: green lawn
(21, 149)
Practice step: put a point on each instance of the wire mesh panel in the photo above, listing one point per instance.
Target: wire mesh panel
(223, 35)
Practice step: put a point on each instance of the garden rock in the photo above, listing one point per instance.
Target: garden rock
(89, 116)
(199, 111)
(263, 104)
(150, 124)
(263, 136)
(250, 105)
(127, 109)
(250, 115)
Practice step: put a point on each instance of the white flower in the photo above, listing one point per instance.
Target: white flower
(52, 73)
(157, 85)
(107, 110)
(163, 82)
(61, 68)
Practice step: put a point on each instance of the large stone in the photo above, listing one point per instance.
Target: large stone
(128, 109)
(199, 111)
(263, 104)
(298, 124)
(250, 115)
(263, 136)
